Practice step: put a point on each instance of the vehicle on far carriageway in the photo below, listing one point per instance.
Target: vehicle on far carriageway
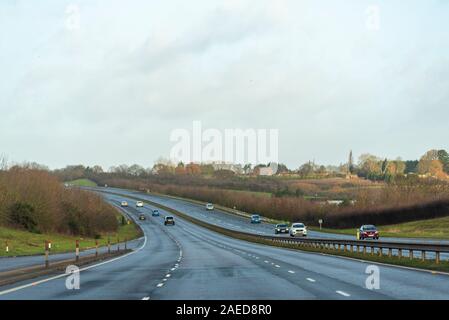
(155, 213)
(298, 229)
(209, 207)
(139, 204)
(281, 228)
(367, 232)
(255, 218)
(124, 204)
(142, 217)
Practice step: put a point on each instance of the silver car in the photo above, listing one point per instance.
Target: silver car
(298, 229)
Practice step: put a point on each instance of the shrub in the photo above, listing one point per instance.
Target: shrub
(22, 215)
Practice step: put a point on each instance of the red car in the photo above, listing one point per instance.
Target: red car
(368, 232)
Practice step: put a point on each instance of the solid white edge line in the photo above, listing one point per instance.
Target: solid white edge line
(65, 275)
(343, 293)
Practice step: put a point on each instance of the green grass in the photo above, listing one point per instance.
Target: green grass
(26, 243)
(432, 228)
(82, 183)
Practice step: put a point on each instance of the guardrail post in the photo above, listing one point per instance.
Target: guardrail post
(96, 248)
(339, 247)
(118, 244)
(400, 253)
(126, 244)
(364, 249)
(390, 252)
(77, 250)
(352, 248)
(372, 250)
(437, 257)
(423, 254)
(380, 252)
(47, 262)
(109, 245)
(411, 254)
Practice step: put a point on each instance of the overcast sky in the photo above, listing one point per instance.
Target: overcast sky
(106, 82)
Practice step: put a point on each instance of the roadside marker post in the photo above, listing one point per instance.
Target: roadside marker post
(96, 248)
(109, 245)
(6, 246)
(126, 244)
(77, 250)
(47, 251)
(118, 244)
(320, 222)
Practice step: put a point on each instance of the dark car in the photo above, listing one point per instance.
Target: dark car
(255, 218)
(142, 217)
(281, 228)
(368, 232)
(169, 221)
(155, 213)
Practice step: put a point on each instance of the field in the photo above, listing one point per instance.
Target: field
(82, 183)
(27, 243)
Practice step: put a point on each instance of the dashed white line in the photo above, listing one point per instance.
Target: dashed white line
(168, 275)
(343, 293)
(267, 261)
(311, 280)
(277, 266)
(146, 298)
(160, 285)
(290, 271)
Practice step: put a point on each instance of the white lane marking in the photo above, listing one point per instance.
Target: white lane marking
(168, 275)
(172, 269)
(311, 280)
(160, 285)
(146, 298)
(164, 279)
(65, 275)
(343, 293)
(290, 271)
(277, 266)
(267, 261)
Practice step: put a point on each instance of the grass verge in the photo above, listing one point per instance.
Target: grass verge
(429, 265)
(23, 243)
(430, 229)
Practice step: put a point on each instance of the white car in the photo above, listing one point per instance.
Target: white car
(209, 206)
(139, 204)
(298, 229)
(124, 204)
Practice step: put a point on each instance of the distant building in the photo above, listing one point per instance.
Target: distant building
(266, 171)
(236, 168)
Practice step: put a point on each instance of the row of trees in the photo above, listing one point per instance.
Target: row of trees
(34, 200)
(433, 163)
